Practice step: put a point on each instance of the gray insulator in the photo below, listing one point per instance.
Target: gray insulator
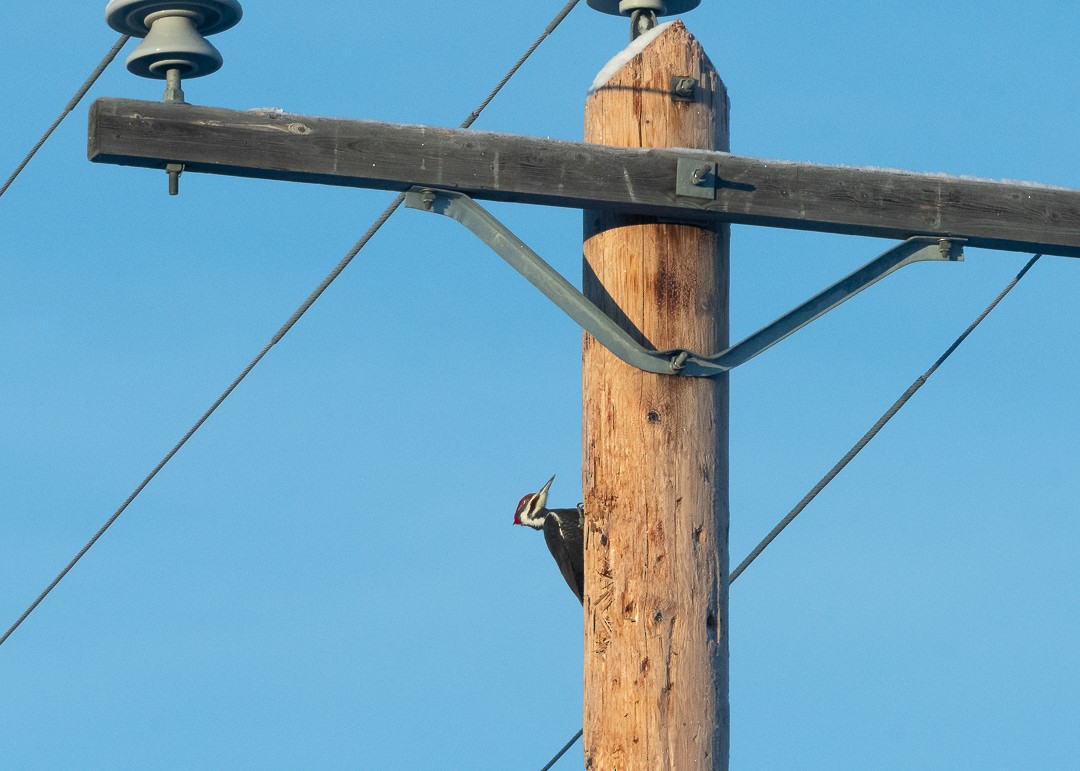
(174, 34)
(129, 16)
(659, 7)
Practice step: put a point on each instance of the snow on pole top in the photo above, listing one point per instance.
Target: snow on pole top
(620, 59)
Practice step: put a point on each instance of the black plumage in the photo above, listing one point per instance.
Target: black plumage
(564, 533)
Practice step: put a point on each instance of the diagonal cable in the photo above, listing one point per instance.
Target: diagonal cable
(854, 450)
(889, 413)
(282, 331)
(562, 752)
(198, 424)
(555, 22)
(68, 108)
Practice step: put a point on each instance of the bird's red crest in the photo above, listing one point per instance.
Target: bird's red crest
(521, 505)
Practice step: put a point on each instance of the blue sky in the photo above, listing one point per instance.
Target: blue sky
(326, 575)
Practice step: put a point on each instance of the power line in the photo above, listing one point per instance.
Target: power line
(562, 752)
(889, 413)
(897, 405)
(283, 330)
(555, 22)
(224, 395)
(68, 108)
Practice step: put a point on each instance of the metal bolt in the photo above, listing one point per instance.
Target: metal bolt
(174, 170)
(427, 198)
(683, 88)
(173, 92)
(678, 362)
(699, 175)
(945, 245)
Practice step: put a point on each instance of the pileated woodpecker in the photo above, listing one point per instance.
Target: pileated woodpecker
(563, 531)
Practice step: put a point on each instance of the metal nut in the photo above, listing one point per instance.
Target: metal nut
(683, 88)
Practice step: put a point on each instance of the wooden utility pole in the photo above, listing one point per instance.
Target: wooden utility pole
(655, 474)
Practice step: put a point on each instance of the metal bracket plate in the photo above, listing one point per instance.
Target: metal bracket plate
(677, 361)
(696, 179)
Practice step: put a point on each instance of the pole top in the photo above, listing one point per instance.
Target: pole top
(658, 7)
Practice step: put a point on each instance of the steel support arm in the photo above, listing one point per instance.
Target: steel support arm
(676, 361)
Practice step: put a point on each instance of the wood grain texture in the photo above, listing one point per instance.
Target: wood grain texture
(655, 448)
(505, 167)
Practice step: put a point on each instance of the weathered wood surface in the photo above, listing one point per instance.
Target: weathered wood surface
(504, 167)
(655, 449)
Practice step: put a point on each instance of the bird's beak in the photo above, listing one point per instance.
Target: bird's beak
(541, 497)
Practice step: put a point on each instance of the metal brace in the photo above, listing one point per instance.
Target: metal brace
(677, 361)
